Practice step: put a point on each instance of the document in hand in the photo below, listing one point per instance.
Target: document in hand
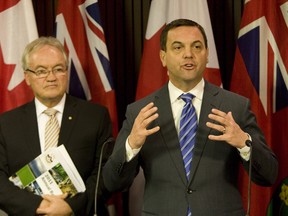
(52, 172)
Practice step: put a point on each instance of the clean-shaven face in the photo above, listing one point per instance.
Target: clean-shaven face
(48, 90)
(185, 57)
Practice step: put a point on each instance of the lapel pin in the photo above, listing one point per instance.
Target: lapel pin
(70, 117)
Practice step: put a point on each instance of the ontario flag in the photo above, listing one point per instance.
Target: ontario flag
(161, 13)
(18, 28)
(79, 28)
(260, 73)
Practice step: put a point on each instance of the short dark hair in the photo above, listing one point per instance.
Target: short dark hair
(178, 23)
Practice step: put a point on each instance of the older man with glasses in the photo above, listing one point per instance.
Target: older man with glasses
(81, 126)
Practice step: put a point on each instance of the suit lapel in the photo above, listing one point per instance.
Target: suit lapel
(30, 126)
(210, 100)
(168, 130)
(68, 120)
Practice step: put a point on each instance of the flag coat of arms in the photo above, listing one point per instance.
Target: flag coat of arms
(260, 73)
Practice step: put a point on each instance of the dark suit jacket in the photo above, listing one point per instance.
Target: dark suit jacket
(84, 128)
(212, 188)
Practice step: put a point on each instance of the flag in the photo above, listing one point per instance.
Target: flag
(18, 28)
(79, 28)
(260, 73)
(161, 13)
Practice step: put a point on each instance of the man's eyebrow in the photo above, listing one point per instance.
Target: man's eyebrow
(56, 65)
(197, 41)
(179, 42)
(176, 42)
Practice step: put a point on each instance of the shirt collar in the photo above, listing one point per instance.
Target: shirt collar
(197, 91)
(41, 107)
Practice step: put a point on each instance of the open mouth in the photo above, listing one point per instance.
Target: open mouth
(188, 66)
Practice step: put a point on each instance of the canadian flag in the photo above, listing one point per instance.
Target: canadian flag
(162, 12)
(18, 28)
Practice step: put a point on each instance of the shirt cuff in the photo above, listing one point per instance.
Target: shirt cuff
(245, 151)
(130, 153)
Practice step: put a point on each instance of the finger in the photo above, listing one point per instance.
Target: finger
(40, 211)
(50, 198)
(146, 112)
(148, 108)
(216, 138)
(229, 115)
(150, 119)
(218, 112)
(43, 208)
(47, 197)
(153, 130)
(217, 127)
(221, 120)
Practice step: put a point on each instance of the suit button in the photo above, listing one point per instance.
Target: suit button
(189, 191)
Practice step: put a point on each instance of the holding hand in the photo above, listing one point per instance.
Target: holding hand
(54, 205)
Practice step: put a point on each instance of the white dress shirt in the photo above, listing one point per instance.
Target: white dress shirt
(42, 118)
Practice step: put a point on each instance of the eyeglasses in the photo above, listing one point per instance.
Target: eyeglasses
(43, 73)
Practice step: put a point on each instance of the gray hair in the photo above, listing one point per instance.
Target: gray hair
(39, 43)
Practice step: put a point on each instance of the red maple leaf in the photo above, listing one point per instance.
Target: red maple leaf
(15, 97)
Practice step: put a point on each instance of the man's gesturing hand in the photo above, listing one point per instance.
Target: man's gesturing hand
(139, 130)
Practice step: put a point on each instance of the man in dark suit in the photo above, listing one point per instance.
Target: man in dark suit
(84, 127)
(150, 137)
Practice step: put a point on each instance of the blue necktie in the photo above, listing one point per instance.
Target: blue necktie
(187, 132)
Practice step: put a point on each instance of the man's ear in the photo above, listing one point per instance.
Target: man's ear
(27, 80)
(163, 57)
(207, 60)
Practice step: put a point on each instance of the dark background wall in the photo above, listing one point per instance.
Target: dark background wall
(124, 23)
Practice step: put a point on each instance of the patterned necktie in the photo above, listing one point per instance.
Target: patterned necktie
(51, 129)
(187, 132)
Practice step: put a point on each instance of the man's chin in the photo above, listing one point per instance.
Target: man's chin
(53, 97)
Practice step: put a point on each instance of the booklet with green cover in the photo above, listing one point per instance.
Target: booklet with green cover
(52, 172)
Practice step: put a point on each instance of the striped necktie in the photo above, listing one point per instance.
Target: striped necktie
(51, 129)
(187, 132)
